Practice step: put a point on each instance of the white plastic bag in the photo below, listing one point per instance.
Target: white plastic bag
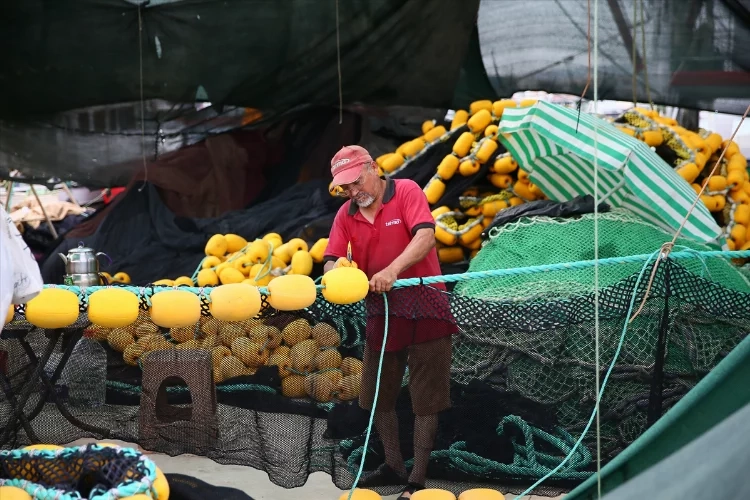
(23, 268)
(6, 281)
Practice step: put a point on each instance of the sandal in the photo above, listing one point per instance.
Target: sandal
(411, 489)
(384, 475)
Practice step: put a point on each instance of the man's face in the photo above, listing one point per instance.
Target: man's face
(363, 190)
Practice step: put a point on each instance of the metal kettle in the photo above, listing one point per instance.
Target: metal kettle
(82, 266)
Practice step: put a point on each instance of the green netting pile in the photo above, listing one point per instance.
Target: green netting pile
(544, 240)
(548, 355)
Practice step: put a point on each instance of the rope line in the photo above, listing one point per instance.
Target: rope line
(149, 290)
(597, 373)
(374, 401)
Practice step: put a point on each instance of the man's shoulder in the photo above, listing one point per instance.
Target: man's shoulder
(407, 188)
(406, 184)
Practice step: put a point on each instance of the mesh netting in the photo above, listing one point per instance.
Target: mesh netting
(92, 472)
(544, 240)
(286, 384)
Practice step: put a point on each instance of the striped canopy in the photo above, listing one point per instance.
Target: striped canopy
(560, 160)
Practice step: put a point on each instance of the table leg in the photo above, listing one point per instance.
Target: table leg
(23, 397)
(50, 387)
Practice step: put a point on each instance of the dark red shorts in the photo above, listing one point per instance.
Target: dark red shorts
(416, 314)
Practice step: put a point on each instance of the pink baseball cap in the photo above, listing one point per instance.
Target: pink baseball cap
(346, 165)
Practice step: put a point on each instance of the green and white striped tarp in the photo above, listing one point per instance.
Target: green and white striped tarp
(560, 160)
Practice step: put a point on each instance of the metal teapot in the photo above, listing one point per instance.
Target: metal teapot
(82, 266)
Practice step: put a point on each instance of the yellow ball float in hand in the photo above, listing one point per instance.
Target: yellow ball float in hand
(113, 308)
(53, 308)
(345, 285)
(235, 302)
(291, 292)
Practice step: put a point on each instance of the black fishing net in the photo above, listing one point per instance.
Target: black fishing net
(280, 392)
(82, 472)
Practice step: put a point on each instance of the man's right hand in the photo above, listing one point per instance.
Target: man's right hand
(344, 262)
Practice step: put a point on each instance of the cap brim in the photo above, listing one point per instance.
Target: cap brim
(346, 177)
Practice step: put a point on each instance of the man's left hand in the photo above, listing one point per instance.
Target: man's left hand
(383, 281)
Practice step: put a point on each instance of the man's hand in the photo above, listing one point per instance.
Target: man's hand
(344, 262)
(383, 281)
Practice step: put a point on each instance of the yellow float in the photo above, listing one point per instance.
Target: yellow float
(235, 302)
(345, 285)
(113, 308)
(175, 308)
(53, 308)
(291, 292)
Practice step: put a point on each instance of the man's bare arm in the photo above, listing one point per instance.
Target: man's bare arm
(328, 266)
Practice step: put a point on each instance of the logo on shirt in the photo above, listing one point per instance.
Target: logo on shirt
(393, 222)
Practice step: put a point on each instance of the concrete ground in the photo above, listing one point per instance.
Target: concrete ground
(252, 481)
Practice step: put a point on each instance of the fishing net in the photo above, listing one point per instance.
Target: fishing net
(93, 472)
(279, 392)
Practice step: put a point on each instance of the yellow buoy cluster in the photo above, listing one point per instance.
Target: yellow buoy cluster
(232, 259)
(459, 228)
(117, 307)
(695, 154)
(306, 355)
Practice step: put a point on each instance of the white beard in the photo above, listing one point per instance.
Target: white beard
(365, 201)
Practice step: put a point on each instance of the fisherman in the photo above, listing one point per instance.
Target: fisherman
(387, 230)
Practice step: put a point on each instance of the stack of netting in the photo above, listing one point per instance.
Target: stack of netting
(548, 351)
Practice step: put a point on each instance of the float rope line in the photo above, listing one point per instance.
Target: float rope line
(149, 290)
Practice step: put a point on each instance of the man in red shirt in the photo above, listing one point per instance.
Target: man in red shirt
(391, 232)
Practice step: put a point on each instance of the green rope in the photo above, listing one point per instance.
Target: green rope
(135, 389)
(374, 400)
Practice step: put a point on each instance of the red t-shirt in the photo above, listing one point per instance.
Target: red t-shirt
(416, 313)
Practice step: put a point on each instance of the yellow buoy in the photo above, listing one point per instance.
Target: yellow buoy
(345, 285)
(481, 494)
(360, 494)
(113, 308)
(302, 263)
(216, 246)
(175, 308)
(433, 494)
(184, 281)
(161, 486)
(207, 277)
(13, 493)
(121, 277)
(291, 292)
(235, 302)
(52, 447)
(53, 308)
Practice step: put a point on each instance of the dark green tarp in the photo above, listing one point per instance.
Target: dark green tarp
(271, 55)
(719, 394)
